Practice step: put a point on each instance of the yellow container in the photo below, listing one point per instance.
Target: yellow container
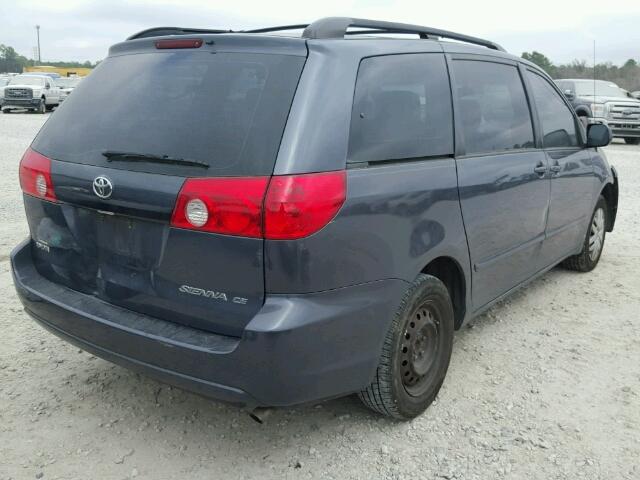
(62, 71)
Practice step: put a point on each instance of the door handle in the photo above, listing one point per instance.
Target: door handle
(540, 169)
(555, 168)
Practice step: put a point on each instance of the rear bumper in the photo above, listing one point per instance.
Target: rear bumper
(297, 349)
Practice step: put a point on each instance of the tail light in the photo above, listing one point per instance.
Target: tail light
(35, 175)
(231, 206)
(297, 206)
(281, 208)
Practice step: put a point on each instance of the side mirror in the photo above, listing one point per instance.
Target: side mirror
(598, 135)
(47, 87)
(569, 94)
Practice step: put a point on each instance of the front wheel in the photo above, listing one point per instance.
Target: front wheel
(42, 107)
(632, 140)
(416, 352)
(593, 244)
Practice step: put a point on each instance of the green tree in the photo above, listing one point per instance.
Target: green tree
(541, 60)
(10, 61)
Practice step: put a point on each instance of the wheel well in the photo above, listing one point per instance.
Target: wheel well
(448, 271)
(610, 194)
(582, 110)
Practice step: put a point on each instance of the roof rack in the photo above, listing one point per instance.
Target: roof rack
(333, 27)
(161, 31)
(336, 27)
(300, 26)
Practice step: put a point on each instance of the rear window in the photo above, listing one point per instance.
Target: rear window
(401, 109)
(227, 110)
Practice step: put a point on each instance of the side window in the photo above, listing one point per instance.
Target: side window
(494, 112)
(558, 125)
(401, 109)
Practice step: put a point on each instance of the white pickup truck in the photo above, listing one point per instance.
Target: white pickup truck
(38, 93)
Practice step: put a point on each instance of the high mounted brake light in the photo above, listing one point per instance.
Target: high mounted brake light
(182, 43)
(35, 175)
(284, 207)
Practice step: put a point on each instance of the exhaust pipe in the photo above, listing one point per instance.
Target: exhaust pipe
(260, 414)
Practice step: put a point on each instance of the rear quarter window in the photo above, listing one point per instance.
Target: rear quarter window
(401, 109)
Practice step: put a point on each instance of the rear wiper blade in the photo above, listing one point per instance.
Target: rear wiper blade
(149, 157)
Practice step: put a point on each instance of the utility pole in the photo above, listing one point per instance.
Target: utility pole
(38, 34)
(594, 68)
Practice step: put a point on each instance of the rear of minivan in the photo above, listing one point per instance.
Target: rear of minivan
(151, 194)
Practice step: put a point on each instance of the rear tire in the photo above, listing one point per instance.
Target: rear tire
(416, 352)
(632, 140)
(593, 243)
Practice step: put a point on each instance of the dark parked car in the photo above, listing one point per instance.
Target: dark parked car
(272, 220)
(605, 102)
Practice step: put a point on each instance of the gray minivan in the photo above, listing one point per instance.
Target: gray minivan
(274, 220)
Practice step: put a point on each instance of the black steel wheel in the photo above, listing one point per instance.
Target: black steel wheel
(416, 352)
(419, 348)
(593, 244)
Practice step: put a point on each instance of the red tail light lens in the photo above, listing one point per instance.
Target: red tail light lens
(297, 206)
(35, 175)
(182, 43)
(231, 206)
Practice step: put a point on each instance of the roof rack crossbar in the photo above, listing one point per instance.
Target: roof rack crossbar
(336, 27)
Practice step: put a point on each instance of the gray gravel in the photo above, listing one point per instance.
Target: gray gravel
(546, 385)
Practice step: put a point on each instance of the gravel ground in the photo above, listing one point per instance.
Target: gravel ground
(545, 385)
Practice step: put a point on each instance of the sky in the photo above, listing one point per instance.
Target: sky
(563, 30)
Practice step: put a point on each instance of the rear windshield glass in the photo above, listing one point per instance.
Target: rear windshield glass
(227, 110)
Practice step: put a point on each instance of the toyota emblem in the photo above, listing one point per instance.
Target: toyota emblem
(102, 187)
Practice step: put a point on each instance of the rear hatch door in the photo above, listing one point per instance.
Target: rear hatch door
(217, 111)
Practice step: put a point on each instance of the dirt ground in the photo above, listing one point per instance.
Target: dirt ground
(546, 385)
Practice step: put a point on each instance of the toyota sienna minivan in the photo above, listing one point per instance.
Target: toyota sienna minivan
(273, 220)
